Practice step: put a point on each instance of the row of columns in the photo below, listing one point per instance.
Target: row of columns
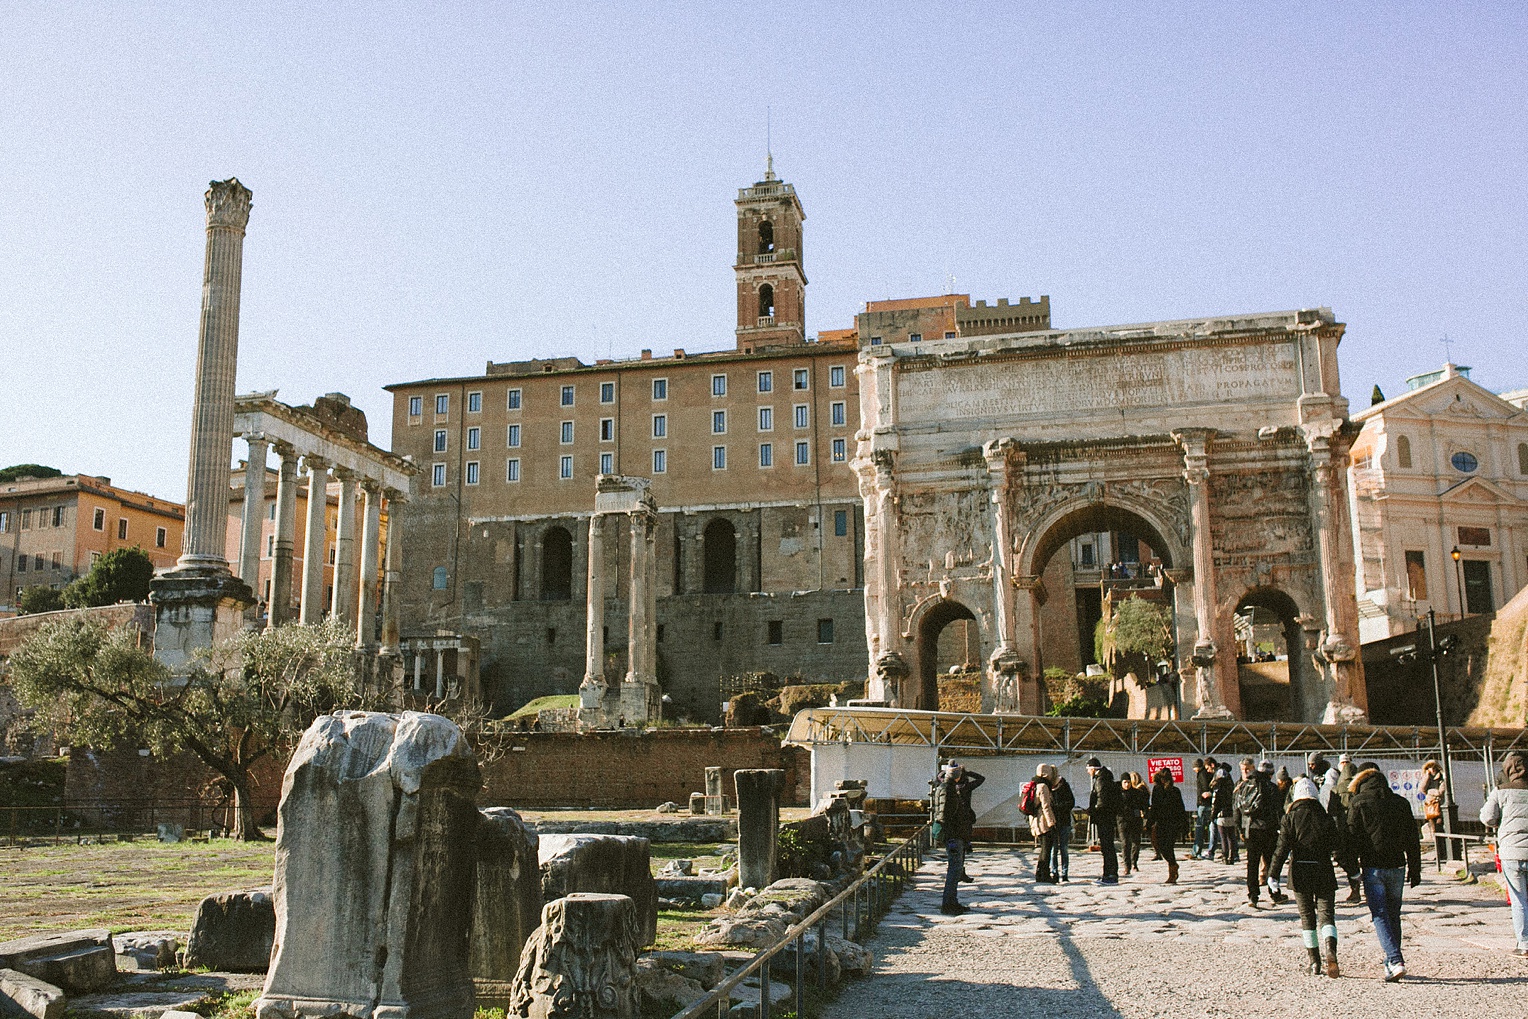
(637, 697)
(353, 600)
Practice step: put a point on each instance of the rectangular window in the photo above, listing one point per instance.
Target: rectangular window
(1477, 587)
(567, 396)
(416, 406)
(5, 521)
(840, 451)
(660, 389)
(840, 523)
(42, 518)
(660, 426)
(766, 454)
(512, 402)
(438, 476)
(824, 631)
(836, 376)
(160, 537)
(718, 458)
(26, 519)
(474, 438)
(839, 412)
(766, 419)
(565, 467)
(607, 429)
(512, 469)
(333, 555)
(1478, 536)
(915, 337)
(801, 377)
(607, 392)
(270, 547)
(718, 385)
(875, 341)
(512, 439)
(98, 521)
(21, 563)
(58, 560)
(803, 453)
(660, 461)
(122, 528)
(716, 632)
(472, 472)
(440, 440)
(58, 516)
(766, 382)
(801, 415)
(474, 403)
(566, 436)
(607, 463)
(442, 405)
(776, 631)
(949, 334)
(270, 513)
(1087, 555)
(1416, 574)
(718, 422)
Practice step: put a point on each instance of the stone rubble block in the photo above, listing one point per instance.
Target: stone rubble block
(233, 932)
(146, 951)
(706, 968)
(691, 888)
(750, 932)
(506, 903)
(689, 829)
(581, 961)
(25, 993)
(605, 864)
(79, 962)
(661, 991)
(796, 897)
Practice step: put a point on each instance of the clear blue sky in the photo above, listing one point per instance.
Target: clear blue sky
(440, 185)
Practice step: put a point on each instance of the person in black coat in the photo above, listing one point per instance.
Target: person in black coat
(1168, 820)
(1223, 813)
(1103, 813)
(1134, 802)
(1309, 839)
(1383, 835)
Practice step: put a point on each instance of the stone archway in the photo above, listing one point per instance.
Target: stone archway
(930, 623)
(1276, 690)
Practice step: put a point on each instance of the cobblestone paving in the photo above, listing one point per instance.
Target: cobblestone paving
(1142, 949)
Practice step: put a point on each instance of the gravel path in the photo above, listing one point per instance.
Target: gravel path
(1141, 950)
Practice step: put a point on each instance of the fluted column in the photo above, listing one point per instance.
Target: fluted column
(1196, 471)
(392, 572)
(315, 543)
(342, 604)
(217, 353)
(280, 608)
(371, 532)
(254, 511)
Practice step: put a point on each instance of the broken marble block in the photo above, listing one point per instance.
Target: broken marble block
(581, 961)
(609, 864)
(233, 932)
(23, 994)
(376, 850)
(77, 962)
(506, 903)
(148, 951)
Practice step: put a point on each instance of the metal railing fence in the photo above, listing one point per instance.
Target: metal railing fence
(72, 821)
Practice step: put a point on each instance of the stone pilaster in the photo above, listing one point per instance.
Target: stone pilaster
(315, 541)
(343, 602)
(254, 511)
(1196, 471)
(371, 536)
(280, 608)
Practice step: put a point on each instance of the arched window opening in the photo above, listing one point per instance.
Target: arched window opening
(721, 557)
(766, 301)
(1403, 451)
(949, 659)
(766, 237)
(1275, 673)
(556, 565)
(1522, 457)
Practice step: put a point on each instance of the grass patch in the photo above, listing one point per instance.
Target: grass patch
(237, 1005)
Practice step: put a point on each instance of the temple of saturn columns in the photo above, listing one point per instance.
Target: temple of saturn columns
(1219, 442)
(635, 697)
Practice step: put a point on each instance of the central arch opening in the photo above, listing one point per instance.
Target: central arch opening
(1273, 671)
(948, 639)
(721, 557)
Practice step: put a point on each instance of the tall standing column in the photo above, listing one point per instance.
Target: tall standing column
(315, 543)
(1004, 665)
(392, 575)
(254, 511)
(1338, 651)
(592, 690)
(343, 602)
(640, 697)
(371, 531)
(1196, 471)
(280, 608)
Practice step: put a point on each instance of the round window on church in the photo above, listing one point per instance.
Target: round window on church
(1465, 463)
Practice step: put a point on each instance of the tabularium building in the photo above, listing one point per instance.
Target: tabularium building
(759, 541)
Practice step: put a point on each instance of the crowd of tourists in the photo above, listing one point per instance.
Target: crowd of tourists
(1335, 815)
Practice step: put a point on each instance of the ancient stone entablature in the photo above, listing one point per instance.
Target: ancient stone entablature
(1212, 439)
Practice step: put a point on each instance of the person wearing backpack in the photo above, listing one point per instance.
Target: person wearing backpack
(1041, 810)
(1064, 801)
(1506, 813)
(1383, 835)
(1258, 812)
(952, 816)
(1103, 812)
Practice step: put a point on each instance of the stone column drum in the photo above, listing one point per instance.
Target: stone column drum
(758, 824)
(375, 854)
(581, 961)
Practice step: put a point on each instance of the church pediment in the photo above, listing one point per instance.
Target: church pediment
(1454, 398)
(1480, 492)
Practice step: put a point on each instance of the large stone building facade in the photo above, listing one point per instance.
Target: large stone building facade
(1439, 490)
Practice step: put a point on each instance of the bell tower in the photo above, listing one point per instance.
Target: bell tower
(771, 287)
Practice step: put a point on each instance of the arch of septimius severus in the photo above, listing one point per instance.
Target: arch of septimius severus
(1221, 442)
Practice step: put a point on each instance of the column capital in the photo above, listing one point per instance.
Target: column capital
(1195, 443)
(284, 449)
(228, 205)
(315, 464)
(256, 437)
(345, 474)
(395, 495)
(371, 486)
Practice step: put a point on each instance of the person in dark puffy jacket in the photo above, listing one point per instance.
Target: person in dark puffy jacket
(1223, 811)
(950, 810)
(1383, 836)
(1308, 840)
(1103, 814)
(1168, 820)
(1506, 813)
(1258, 812)
(1134, 801)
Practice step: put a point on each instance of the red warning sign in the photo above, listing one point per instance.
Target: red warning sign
(1172, 764)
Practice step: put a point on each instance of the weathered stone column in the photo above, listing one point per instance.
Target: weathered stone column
(315, 541)
(640, 700)
(372, 915)
(1003, 457)
(506, 903)
(758, 824)
(748, 553)
(581, 961)
(1196, 471)
(591, 691)
(254, 511)
(342, 604)
(878, 487)
(217, 356)
(280, 608)
(716, 800)
(371, 536)
(1338, 651)
(392, 577)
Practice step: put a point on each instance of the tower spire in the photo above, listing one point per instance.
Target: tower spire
(769, 148)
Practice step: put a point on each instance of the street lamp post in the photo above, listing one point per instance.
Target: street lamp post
(1450, 808)
(1459, 579)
